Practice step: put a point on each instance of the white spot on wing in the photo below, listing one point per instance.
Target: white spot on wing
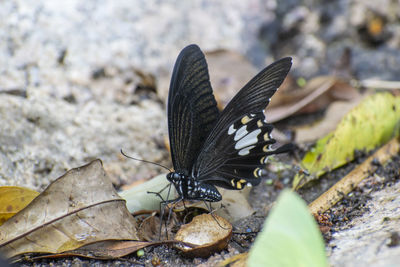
(245, 151)
(231, 130)
(240, 133)
(248, 140)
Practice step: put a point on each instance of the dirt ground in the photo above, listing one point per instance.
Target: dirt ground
(337, 219)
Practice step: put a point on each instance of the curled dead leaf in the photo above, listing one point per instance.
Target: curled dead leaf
(211, 233)
(103, 250)
(316, 95)
(79, 208)
(149, 228)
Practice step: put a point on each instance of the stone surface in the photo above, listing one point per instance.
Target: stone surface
(77, 81)
(41, 138)
(76, 68)
(367, 242)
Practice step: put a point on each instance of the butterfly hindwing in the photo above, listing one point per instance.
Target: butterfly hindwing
(236, 149)
(192, 109)
(242, 153)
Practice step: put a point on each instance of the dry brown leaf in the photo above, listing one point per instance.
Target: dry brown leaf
(333, 116)
(316, 95)
(209, 232)
(79, 208)
(149, 229)
(104, 250)
(114, 249)
(229, 72)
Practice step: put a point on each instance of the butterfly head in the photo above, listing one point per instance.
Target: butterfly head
(174, 177)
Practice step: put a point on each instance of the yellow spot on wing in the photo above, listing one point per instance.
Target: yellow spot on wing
(259, 123)
(238, 185)
(255, 172)
(266, 148)
(245, 119)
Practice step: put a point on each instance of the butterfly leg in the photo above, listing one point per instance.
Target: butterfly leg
(163, 204)
(212, 214)
(159, 192)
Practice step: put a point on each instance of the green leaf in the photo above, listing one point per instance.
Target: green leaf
(138, 198)
(371, 124)
(290, 237)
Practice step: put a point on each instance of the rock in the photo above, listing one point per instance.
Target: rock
(368, 240)
(42, 138)
(79, 79)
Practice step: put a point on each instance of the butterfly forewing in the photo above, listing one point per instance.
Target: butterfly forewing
(235, 150)
(192, 109)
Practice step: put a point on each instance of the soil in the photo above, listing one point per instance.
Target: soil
(336, 219)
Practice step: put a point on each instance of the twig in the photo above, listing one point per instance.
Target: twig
(380, 84)
(351, 180)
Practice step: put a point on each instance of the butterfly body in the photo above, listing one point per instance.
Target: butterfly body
(190, 188)
(209, 148)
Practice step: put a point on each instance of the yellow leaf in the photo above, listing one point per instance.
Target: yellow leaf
(13, 199)
(369, 125)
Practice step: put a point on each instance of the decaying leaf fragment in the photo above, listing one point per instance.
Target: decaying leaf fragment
(333, 115)
(209, 232)
(103, 250)
(372, 123)
(13, 199)
(79, 208)
(316, 95)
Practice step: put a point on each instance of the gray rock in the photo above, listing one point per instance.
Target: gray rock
(367, 242)
(41, 138)
(78, 66)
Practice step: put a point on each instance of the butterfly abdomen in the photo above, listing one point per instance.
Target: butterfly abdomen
(203, 191)
(191, 189)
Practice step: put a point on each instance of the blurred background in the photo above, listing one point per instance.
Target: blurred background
(80, 80)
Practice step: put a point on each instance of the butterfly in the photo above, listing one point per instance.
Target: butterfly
(209, 148)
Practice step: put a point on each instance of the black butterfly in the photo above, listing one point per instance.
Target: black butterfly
(211, 148)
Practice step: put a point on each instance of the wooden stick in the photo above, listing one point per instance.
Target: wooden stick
(351, 180)
(380, 84)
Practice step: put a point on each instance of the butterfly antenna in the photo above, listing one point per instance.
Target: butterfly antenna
(142, 160)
